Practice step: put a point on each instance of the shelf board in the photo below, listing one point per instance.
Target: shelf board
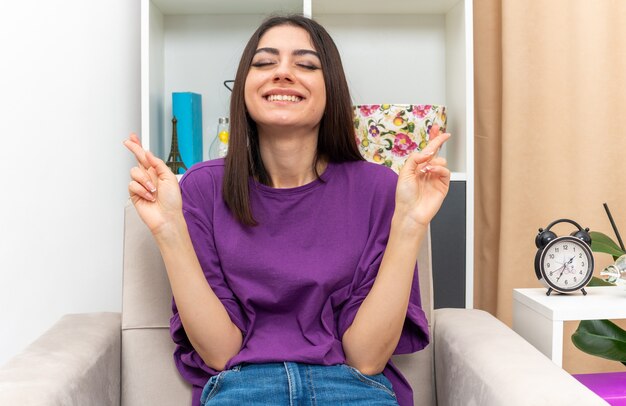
(458, 176)
(380, 7)
(183, 7)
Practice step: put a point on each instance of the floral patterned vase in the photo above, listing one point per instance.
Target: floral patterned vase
(388, 133)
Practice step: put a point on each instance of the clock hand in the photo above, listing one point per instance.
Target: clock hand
(562, 268)
(565, 267)
(569, 266)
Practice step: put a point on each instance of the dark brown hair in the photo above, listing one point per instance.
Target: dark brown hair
(336, 140)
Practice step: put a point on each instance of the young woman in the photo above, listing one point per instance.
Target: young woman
(292, 261)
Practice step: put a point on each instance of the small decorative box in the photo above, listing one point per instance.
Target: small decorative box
(187, 108)
(388, 133)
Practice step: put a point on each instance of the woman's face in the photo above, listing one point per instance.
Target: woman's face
(285, 85)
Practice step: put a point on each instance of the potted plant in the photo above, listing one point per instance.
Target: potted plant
(602, 338)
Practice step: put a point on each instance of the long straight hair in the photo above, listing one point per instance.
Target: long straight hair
(336, 140)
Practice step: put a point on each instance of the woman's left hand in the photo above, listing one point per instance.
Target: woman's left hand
(423, 182)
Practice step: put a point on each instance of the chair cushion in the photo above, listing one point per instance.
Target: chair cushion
(146, 295)
(149, 376)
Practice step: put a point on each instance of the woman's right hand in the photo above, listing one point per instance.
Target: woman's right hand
(153, 189)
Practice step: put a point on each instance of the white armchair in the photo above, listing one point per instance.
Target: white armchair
(113, 359)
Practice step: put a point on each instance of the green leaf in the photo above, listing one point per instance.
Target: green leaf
(603, 243)
(601, 338)
(595, 281)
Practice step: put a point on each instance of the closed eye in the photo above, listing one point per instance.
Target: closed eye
(308, 66)
(261, 64)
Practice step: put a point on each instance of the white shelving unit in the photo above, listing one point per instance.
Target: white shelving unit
(396, 51)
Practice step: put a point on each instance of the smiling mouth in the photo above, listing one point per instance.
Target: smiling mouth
(283, 97)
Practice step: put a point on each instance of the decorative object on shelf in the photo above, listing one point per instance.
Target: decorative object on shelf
(174, 160)
(229, 82)
(603, 338)
(564, 264)
(388, 133)
(616, 273)
(219, 146)
(187, 108)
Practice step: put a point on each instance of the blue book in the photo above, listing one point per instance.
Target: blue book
(187, 108)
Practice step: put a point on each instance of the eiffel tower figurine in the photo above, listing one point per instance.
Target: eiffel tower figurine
(174, 160)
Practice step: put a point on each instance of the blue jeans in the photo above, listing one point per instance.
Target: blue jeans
(296, 384)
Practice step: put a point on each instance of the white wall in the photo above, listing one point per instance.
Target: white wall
(69, 95)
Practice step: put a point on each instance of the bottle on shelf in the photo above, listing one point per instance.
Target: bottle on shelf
(219, 146)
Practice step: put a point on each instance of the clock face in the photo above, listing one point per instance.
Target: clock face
(566, 264)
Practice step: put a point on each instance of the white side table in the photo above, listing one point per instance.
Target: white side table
(539, 318)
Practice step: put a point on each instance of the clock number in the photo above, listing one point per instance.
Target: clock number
(580, 255)
(575, 280)
(564, 247)
(581, 272)
(548, 265)
(551, 256)
(556, 249)
(566, 281)
(583, 264)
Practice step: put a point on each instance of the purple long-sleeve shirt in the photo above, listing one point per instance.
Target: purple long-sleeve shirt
(294, 283)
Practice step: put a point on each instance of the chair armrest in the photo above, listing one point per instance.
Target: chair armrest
(76, 362)
(481, 361)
